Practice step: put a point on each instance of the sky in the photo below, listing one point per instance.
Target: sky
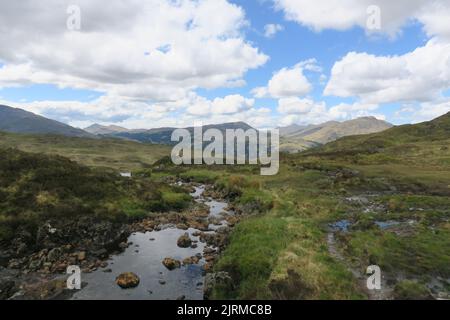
(270, 63)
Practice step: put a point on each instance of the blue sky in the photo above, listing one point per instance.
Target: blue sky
(81, 87)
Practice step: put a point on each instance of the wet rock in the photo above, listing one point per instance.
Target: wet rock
(182, 226)
(207, 267)
(184, 241)
(62, 267)
(171, 263)
(208, 250)
(127, 280)
(123, 245)
(191, 260)
(81, 256)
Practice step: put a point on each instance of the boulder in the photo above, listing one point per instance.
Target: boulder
(184, 241)
(171, 263)
(127, 280)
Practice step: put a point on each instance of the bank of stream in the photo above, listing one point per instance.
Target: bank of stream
(144, 256)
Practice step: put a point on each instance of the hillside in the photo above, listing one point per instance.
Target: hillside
(102, 130)
(163, 135)
(424, 143)
(21, 121)
(379, 199)
(106, 152)
(300, 138)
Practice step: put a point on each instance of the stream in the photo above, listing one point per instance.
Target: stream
(144, 258)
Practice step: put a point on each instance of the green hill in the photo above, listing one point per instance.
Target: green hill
(113, 153)
(35, 188)
(21, 121)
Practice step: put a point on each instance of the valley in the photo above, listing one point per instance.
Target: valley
(308, 232)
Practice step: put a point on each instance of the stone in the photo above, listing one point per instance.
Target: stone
(81, 256)
(54, 255)
(171, 263)
(127, 280)
(184, 241)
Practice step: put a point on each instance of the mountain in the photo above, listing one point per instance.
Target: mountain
(21, 121)
(406, 141)
(313, 135)
(104, 130)
(163, 135)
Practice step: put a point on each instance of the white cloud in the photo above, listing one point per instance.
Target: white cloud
(345, 14)
(156, 49)
(429, 111)
(231, 104)
(288, 82)
(270, 30)
(421, 75)
(296, 105)
(345, 111)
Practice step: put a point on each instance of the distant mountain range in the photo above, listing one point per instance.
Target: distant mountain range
(98, 129)
(21, 121)
(293, 138)
(297, 138)
(159, 135)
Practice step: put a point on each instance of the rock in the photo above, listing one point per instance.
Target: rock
(209, 251)
(62, 267)
(123, 245)
(127, 280)
(101, 253)
(81, 256)
(207, 267)
(184, 241)
(171, 263)
(182, 226)
(181, 298)
(54, 255)
(107, 270)
(162, 282)
(191, 260)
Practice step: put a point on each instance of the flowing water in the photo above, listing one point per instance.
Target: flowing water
(144, 257)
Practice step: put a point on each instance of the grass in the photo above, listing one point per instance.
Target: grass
(117, 154)
(36, 187)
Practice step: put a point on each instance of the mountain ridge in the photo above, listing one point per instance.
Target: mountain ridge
(17, 120)
(314, 135)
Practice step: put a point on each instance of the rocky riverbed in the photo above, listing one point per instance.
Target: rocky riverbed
(167, 256)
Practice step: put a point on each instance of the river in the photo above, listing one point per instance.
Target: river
(144, 258)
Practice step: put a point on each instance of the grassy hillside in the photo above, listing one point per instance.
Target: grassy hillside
(331, 212)
(21, 121)
(113, 153)
(297, 138)
(36, 187)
